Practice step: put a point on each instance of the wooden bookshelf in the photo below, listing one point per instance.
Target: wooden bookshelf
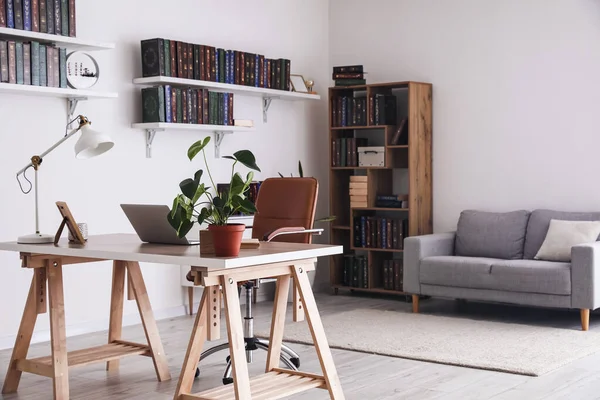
(407, 170)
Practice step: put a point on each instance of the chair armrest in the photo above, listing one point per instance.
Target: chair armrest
(418, 247)
(585, 276)
(290, 230)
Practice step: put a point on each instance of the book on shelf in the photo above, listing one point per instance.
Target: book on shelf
(3, 61)
(20, 66)
(57, 17)
(27, 15)
(392, 201)
(380, 232)
(385, 109)
(350, 82)
(27, 63)
(359, 178)
(345, 151)
(18, 14)
(398, 138)
(346, 69)
(347, 75)
(349, 111)
(393, 272)
(355, 271)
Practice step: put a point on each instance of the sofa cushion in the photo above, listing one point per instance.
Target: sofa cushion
(563, 235)
(526, 276)
(492, 235)
(539, 221)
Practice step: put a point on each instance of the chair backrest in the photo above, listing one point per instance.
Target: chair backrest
(286, 202)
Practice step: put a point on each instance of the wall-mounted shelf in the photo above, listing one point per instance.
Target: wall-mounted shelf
(61, 41)
(43, 91)
(267, 95)
(219, 130)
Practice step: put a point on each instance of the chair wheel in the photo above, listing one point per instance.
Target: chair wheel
(295, 361)
(227, 381)
(197, 373)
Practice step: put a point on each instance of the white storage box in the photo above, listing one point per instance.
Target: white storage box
(373, 156)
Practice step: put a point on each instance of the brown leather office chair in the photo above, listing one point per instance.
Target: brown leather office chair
(285, 213)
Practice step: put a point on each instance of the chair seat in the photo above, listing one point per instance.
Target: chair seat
(526, 276)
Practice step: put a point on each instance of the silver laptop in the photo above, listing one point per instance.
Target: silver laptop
(151, 225)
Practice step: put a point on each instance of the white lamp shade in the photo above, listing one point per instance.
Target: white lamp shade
(92, 143)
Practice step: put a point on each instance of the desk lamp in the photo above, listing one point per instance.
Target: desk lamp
(90, 144)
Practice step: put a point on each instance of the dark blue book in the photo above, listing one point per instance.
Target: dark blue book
(383, 233)
(344, 110)
(43, 70)
(266, 73)
(18, 11)
(20, 66)
(227, 67)
(226, 108)
(27, 15)
(233, 66)
(50, 16)
(10, 14)
(168, 104)
(363, 231)
(217, 72)
(63, 67)
(256, 70)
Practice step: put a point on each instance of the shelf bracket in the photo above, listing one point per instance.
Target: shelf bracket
(72, 103)
(266, 105)
(150, 133)
(219, 135)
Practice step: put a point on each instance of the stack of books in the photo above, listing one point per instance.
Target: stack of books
(392, 201)
(56, 17)
(349, 75)
(393, 275)
(162, 57)
(355, 272)
(186, 106)
(379, 232)
(32, 63)
(359, 186)
(348, 111)
(344, 151)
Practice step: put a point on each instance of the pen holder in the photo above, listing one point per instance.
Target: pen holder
(83, 228)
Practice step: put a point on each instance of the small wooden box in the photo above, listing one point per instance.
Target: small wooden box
(207, 246)
(373, 156)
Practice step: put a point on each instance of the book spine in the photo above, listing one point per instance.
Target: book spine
(202, 72)
(184, 60)
(43, 65)
(208, 72)
(353, 112)
(356, 232)
(72, 19)
(226, 108)
(337, 76)
(221, 110)
(373, 232)
(355, 271)
(173, 106)
(350, 82)
(153, 57)
(27, 15)
(257, 70)
(35, 15)
(247, 71)
(57, 17)
(50, 17)
(357, 69)
(168, 105)
(43, 16)
(180, 71)
(190, 71)
(64, 17)
(194, 111)
(395, 234)
(363, 231)
(18, 11)
(213, 64)
(173, 58)
(50, 65)
(365, 273)
(222, 76)
(10, 14)
(180, 106)
(56, 65)
(19, 50)
(346, 271)
(383, 233)
(378, 241)
(218, 66)
(269, 74)
(2, 13)
(230, 114)
(3, 61)
(242, 68)
(12, 62)
(196, 61)
(184, 106)
(205, 106)
(288, 68)
(200, 106)
(167, 57)
(227, 67)
(236, 67)
(344, 111)
(26, 63)
(386, 282)
(264, 76)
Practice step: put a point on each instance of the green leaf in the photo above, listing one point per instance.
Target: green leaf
(185, 227)
(199, 192)
(247, 158)
(197, 147)
(237, 185)
(249, 178)
(174, 218)
(189, 187)
(247, 206)
(218, 202)
(300, 171)
(204, 213)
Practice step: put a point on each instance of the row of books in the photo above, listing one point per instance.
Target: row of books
(355, 271)
(251, 193)
(349, 111)
(391, 201)
(379, 232)
(163, 57)
(56, 17)
(32, 63)
(187, 106)
(393, 275)
(344, 151)
(349, 75)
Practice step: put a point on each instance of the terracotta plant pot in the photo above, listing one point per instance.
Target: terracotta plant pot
(227, 239)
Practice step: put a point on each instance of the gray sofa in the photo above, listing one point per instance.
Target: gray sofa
(491, 258)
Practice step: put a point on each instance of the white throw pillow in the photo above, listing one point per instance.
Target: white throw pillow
(562, 235)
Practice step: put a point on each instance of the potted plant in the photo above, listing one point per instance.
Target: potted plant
(195, 203)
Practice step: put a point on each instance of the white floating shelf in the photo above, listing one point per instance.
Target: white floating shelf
(219, 130)
(226, 87)
(54, 92)
(61, 41)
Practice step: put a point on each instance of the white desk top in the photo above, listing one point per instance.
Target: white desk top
(128, 247)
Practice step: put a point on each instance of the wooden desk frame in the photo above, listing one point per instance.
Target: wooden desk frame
(48, 274)
(276, 382)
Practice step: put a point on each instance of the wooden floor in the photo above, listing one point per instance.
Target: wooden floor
(363, 376)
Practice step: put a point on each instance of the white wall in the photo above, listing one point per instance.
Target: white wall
(515, 86)
(95, 188)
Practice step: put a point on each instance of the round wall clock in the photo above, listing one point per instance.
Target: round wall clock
(82, 70)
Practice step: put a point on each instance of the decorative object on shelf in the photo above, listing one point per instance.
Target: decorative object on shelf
(298, 84)
(371, 156)
(246, 123)
(227, 238)
(398, 138)
(83, 228)
(344, 151)
(55, 17)
(90, 144)
(351, 75)
(310, 85)
(163, 57)
(75, 234)
(82, 70)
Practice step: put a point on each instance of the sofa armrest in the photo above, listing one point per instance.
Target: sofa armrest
(418, 247)
(585, 276)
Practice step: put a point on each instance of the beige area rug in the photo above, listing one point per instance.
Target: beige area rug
(506, 347)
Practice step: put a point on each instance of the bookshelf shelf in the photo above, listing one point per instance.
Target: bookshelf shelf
(406, 171)
(219, 130)
(44, 91)
(61, 41)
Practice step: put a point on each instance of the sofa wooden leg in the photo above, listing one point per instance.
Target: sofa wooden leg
(415, 303)
(585, 319)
